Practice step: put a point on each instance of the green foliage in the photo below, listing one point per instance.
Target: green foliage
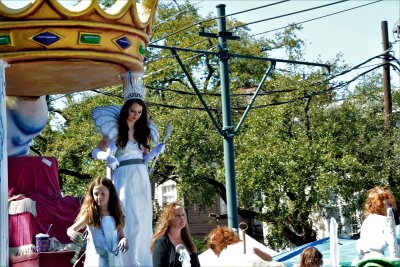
(201, 245)
(298, 154)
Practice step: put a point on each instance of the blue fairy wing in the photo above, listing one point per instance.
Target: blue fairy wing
(106, 120)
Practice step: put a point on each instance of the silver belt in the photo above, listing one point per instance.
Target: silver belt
(131, 162)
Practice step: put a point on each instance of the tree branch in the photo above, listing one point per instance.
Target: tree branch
(75, 174)
(211, 71)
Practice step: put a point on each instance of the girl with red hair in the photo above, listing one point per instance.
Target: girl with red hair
(378, 229)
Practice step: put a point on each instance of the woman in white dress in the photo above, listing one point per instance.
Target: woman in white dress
(127, 156)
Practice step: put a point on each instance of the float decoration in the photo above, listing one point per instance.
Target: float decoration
(52, 49)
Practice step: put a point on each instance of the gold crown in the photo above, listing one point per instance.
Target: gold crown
(53, 49)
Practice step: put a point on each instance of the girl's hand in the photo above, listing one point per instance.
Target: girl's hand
(75, 236)
(123, 245)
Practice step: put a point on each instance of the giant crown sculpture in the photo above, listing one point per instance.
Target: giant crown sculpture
(53, 49)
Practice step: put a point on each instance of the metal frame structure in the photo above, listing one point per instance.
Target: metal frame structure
(227, 130)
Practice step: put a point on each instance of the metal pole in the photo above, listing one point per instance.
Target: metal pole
(387, 92)
(3, 170)
(229, 158)
(387, 98)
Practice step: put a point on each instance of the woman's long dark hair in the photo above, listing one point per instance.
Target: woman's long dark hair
(141, 130)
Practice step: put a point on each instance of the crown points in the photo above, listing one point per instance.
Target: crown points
(133, 86)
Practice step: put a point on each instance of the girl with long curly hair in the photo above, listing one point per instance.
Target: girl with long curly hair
(220, 238)
(102, 215)
(378, 229)
(172, 244)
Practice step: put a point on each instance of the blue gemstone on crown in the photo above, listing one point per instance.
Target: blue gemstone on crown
(46, 38)
(123, 42)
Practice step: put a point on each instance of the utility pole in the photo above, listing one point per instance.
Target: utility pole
(387, 91)
(227, 129)
(387, 97)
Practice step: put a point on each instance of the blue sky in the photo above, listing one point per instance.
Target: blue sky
(355, 33)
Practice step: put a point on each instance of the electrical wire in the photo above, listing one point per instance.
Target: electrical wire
(336, 87)
(171, 56)
(185, 10)
(184, 60)
(395, 68)
(357, 66)
(316, 18)
(169, 66)
(214, 18)
(248, 10)
(252, 9)
(269, 92)
(287, 14)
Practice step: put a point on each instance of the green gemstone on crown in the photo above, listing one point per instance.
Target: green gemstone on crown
(90, 38)
(142, 49)
(5, 40)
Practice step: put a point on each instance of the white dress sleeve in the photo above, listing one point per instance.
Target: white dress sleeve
(389, 231)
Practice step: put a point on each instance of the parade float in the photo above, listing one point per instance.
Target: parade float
(47, 48)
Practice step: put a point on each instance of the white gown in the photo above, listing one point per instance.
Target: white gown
(98, 245)
(377, 233)
(134, 190)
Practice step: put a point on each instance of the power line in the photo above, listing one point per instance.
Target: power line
(211, 19)
(172, 65)
(331, 78)
(171, 56)
(185, 10)
(339, 86)
(255, 8)
(357, 66)
(395, 68)
(305, 21)
(252, 9)
(287, 14)
(269, 92)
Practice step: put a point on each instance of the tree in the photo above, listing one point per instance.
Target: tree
(300, 152)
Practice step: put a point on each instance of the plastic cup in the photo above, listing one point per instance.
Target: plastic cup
(42, 242)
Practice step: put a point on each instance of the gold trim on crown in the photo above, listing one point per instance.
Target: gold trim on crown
(48, 44)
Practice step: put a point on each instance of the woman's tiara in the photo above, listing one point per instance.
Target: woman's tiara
(133, 86)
